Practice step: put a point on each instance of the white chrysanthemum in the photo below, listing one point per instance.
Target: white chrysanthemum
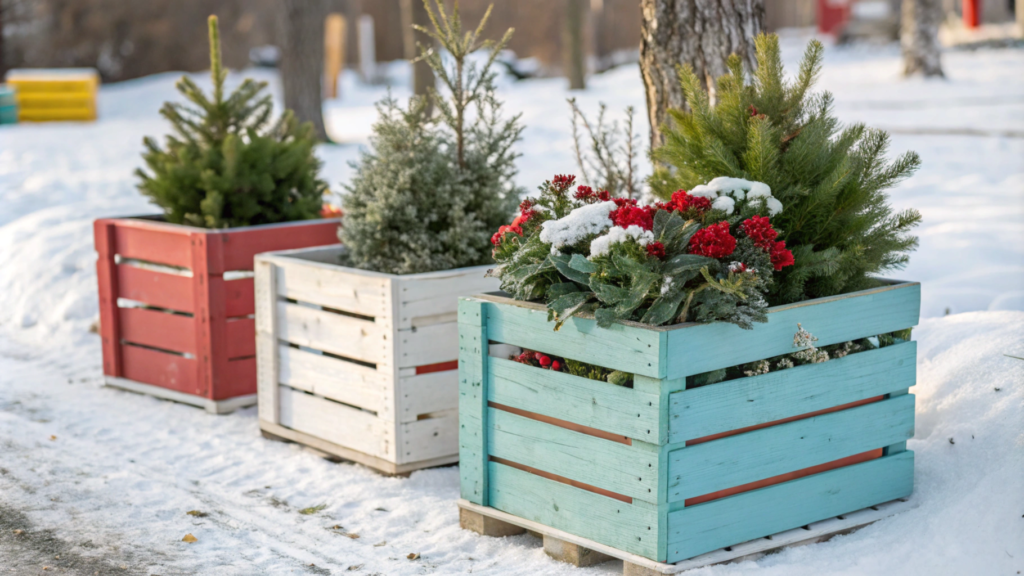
(577, 225)
(601, 245)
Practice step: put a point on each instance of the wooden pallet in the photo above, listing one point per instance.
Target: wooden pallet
(579, 551)
(360, 364)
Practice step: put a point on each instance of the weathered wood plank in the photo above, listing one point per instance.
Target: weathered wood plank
(432, 298)
(427, 345)
(158, 329)
(559, 395)
(239, 297)
(239, 379)
(335, 287)
(241, 337)
(333, 422)
(631, 348)
(698, 529)
(427, 393)
(627, 470)
(267, 375)
(242, 244)
(737, 460)
(473, 361)
(332, 378)
(624, 526)
(697, 348)
(161, 244)
(744, 402)
(159, 369)
(429, 438)
(335, 333)
(159, 289)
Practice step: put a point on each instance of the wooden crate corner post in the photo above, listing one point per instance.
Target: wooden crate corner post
(473, 353)
(266, 341)
(106, 275)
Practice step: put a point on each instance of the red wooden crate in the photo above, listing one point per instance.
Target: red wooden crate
(171, 324)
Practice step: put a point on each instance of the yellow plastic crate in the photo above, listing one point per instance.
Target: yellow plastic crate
(55, 94)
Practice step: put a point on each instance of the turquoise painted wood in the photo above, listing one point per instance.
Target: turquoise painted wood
(584, 458)
(736, 404)
(655, 470)
(706, 527)
(587, 402)
(744, 458)
(627, 527)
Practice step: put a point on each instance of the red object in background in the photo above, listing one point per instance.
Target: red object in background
(331, 211)
(833, 15)
(193, 334)
(972, 13)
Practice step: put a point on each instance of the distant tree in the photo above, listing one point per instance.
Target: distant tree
(572, 43)
(919, 38)
(414, 13)
(302, 61)
(701, 33)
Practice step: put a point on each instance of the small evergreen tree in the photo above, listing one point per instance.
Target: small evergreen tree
(433, 189)
(830, 180)
(226, 165)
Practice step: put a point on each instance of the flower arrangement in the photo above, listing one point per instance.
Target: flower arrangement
(706, 255)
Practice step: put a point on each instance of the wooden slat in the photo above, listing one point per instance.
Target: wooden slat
(239, 297)
(331, 378)
(241, 338)
(473, 362)
(342, 335)
(158, 329)
(698, 348)
(629, 470)
(427, 345)
(159, 369)
(239, 379)
(267, 357)
(107, 289)
(155, 288)
(432, 298)
(335, 287)
(333, 422)
(705, 527)
(241, 245)
(151, 242)
(630, 348)
(591, 403)
(427, 393)
(736, 460)
(629, 527)
(429, 438)
(735, 404)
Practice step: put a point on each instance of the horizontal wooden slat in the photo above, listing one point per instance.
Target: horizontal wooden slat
(630, 348)
(427, 393)
(331, 378)
(737, 460)
(240, 245)
(239, 297)
(736, 404)
(698, 348)
(342, 335)
(429, 438)
(427, 345)
(705, 527)
(629, 470)
(425, 299)
(591, 403)
(159, 369)
(629, 527)
(334, 422)
(161, 244)
(335, 287)
(154, 288)
(239, 379)
(162, 330)
(241, 336)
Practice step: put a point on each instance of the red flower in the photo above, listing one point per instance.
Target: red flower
(682, 201)
(585, 193)
(715, 241)
(656, 249)
(562, 182)
(513, 228)
(781, 257)
(760, 230)
(545, 361)
(556, 366)
(604, 196)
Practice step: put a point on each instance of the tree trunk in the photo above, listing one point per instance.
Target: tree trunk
(701, 33)
(302, 61)
(919, 37)
(572, 43)
(415, 12)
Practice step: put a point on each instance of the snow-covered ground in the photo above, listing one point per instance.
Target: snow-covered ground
(100, 477)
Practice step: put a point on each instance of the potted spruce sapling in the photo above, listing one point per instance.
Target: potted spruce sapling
(176, 289)
(357, 343)
(711, 368)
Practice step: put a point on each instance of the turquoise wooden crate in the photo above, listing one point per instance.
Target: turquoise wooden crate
(8, 106)
(668, 473)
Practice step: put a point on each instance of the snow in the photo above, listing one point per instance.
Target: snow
(601, 245)
(99, 476)
(576, 225)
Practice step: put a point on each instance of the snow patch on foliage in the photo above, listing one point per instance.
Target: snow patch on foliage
(720, 189)
(603, 244)
(577, 225)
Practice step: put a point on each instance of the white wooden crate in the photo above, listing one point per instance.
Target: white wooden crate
(345, 357)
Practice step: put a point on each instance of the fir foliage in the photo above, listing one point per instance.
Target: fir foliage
(832, 180)
(432, 190)
(226, 165)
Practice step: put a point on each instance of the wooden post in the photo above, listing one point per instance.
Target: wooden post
(367, 49)
(473, 356)
(210, 315)
(972, 13)
(334, 53)
(106, 274)
(267, 372)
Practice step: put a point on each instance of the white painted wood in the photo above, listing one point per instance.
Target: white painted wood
(266, 341)
(383, 411)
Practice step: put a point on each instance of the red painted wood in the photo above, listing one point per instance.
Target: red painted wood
(439, 367)
(241, 338)
(153, 242)
(239, 297)
(833, 15)
(848, 461)
(972, 13)
(159, 369)
(155, 288)
(242, 244)
(239, 380)
(158, 329)
(210, 326)
(106, 276)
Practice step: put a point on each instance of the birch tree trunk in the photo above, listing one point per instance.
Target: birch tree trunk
(415, 12)
(572, 43)
(302, 61)
(701, 33)
(919, 38)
